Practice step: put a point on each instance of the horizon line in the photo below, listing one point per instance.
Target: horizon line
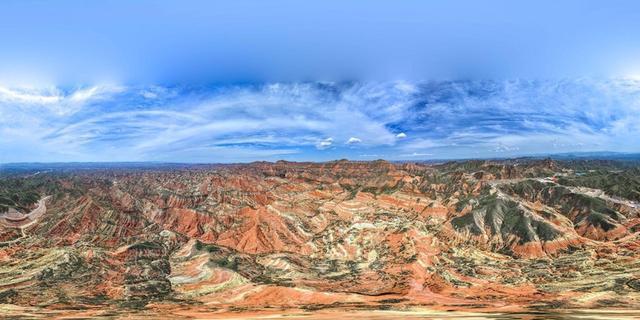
(591, 155)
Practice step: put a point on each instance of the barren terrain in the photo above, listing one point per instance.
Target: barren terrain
(373, 239)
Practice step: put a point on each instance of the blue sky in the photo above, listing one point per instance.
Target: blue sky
(230, 81)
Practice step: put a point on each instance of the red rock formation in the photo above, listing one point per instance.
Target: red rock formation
(342, 234)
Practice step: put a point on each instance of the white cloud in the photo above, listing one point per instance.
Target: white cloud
(324, 144)
(29, 96)
(83, 95)
(406, 87)
(354, 140)
(401, 135)
(157, 92)
(149, 94)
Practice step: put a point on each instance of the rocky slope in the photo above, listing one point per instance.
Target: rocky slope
(487, 235)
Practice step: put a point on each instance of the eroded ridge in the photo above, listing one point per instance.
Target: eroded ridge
(488, 235)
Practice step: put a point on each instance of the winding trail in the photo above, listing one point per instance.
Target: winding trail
(15, 219)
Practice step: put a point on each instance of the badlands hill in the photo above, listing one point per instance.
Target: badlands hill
(192, 240)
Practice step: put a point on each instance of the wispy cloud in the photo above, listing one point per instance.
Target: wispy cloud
(29, 96)
(308, 121)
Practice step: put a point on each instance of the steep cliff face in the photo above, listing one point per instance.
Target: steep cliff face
(312, 235)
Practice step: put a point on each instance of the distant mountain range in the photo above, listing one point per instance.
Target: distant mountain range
(594, 155)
